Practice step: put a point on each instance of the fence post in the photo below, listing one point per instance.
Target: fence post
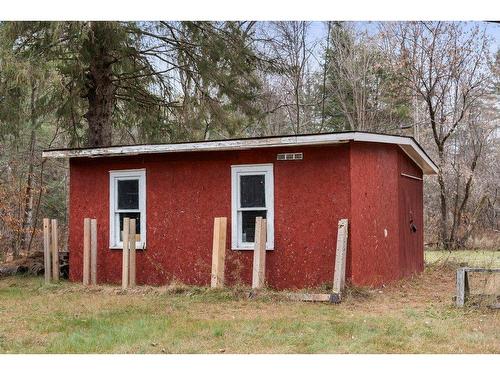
(55, 251)
(132, 240)
(218, 252)
(340, 259)
(461, 277)
(259, 254)
(46, 249)
(125, 254)
(86, 251)
(93, 251)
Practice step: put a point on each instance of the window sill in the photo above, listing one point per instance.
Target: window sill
(268, 248)
(137, 247)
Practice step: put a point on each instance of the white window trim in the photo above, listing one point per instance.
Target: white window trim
(114, 225)
(246, 169)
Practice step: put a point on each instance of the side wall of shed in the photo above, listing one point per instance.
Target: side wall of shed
(374, 229)
(411, 217)
(185, 191)
(384, 205)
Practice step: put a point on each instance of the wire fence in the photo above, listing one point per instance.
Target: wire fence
(484, 287)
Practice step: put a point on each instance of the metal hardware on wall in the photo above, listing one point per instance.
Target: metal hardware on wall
(410, 176)
(291, 156)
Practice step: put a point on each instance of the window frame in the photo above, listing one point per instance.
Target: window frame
(236, 221)
(114, 225)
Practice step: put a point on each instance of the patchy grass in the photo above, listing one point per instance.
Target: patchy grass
(410, 316)
(472, 258)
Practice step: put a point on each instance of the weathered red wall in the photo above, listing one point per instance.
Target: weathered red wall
(411, 244)
(374, 229)
(184, 192)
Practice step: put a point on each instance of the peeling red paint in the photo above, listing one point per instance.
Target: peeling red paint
(185, 191)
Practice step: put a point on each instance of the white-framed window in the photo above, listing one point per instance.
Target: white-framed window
(127, 198)
(252, 195)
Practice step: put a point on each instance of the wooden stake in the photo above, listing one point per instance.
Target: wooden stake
(125, 257)
(340, 258)
(55, 252)
(218, 252)
(132, 240)
(93, 251)
(461, 287)
(86, 251)
(259, 253)
(46, 249)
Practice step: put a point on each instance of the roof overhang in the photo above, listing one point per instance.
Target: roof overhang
(407, 144)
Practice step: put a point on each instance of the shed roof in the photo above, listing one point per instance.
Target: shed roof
(407, 144)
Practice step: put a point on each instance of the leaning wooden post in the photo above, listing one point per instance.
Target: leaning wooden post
(86, 251)
(46, 249)
(125, 255)
(259, 254)
(132, 240)
(93, 251)
(340, 260)
(218, 252)
(55, 251)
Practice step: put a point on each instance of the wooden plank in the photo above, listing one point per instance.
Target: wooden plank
(218, 252)
(214, 282)
(93, 251)
(460, 288)
(132, 268)
(55, 251)
(482, 270)
(310, 297)
(125, 254)
(259, 253)
(86, 251)
(340, 258)
(46, 249)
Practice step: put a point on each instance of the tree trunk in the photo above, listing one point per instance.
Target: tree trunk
(443, 201)
(26, 223)
(100, 89)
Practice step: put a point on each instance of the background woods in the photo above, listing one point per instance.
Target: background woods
(98, 83)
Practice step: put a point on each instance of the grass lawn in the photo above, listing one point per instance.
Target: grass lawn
(411, 316)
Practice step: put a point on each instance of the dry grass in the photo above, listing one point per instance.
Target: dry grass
(411, 316)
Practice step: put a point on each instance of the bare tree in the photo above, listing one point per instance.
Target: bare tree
(445, 64)
(286, 44)
(361, 90)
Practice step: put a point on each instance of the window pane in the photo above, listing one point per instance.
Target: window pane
(131, 215)
(128, 194)
(252, 191)
(248, 224)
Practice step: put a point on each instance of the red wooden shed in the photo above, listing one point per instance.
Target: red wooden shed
(303, 184)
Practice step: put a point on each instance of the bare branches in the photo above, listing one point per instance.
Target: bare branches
(445, 64)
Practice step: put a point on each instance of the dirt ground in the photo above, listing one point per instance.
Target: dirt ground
(415, 315)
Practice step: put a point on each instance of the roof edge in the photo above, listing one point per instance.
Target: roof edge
(407, 144)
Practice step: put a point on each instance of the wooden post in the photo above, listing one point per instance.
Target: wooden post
(86, 251)
(340, 258)
(93, 251)
(132, 240)
(259, 253)
(55, 252)
(461, 277)
(218, 252)
(125, 255)
(46, 249)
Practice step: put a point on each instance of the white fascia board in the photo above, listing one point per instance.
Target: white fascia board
(423, 161)
(408, 145)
